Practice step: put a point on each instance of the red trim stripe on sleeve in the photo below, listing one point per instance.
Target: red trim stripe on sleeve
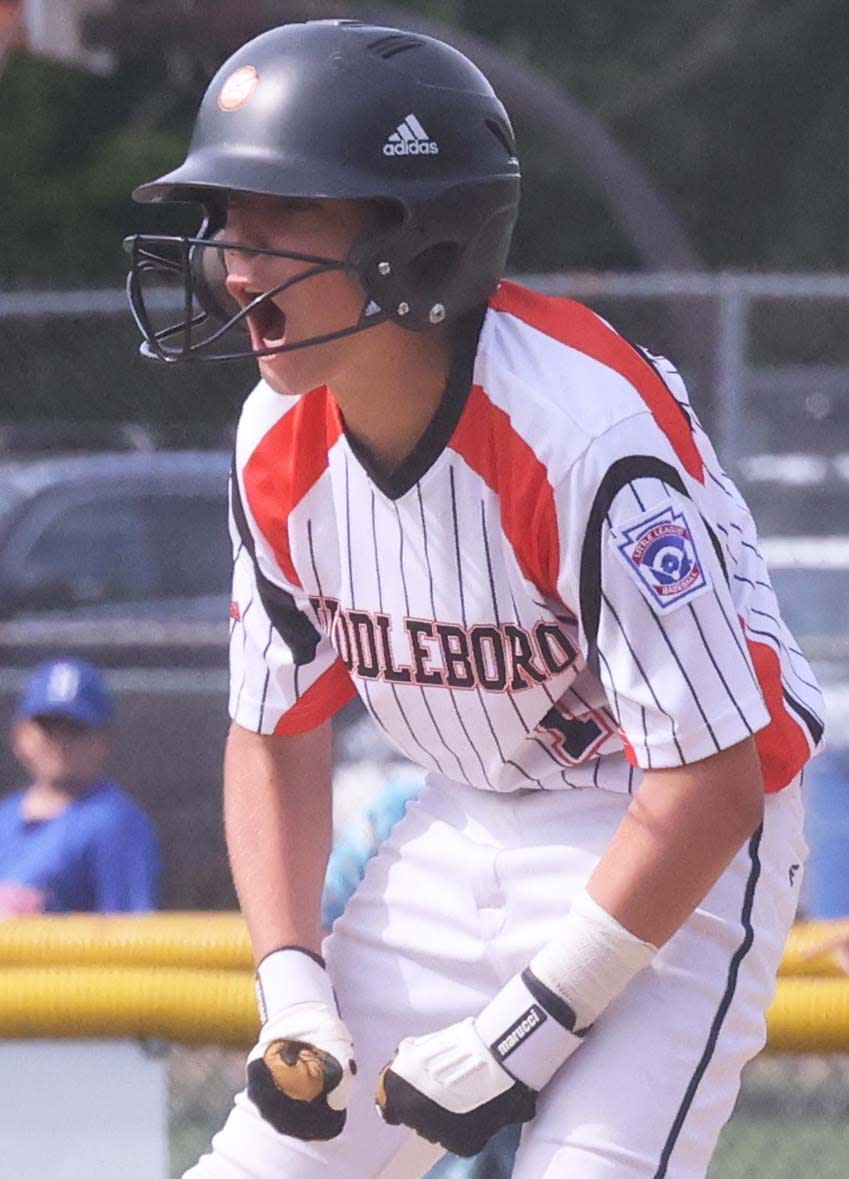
(580, 328)
(630, 751)
(782, 746)
(286, 463)
(320, 702)
(486, 440)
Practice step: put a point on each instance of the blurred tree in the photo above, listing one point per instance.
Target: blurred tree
(69, 150)
(737, 108)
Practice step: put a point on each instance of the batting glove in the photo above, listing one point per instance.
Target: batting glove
(299, 1072)
(459, 1086)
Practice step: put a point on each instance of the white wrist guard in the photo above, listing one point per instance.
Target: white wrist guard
(538, 1019)
(289, 976)
(526, 1028)
(592, 959)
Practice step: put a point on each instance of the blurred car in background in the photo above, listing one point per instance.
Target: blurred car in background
(121, 558)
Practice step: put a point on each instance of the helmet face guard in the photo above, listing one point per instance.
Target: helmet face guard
(211, 321)
(335, 110)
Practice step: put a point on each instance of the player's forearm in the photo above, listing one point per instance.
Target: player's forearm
(680, 832)
(278, 823)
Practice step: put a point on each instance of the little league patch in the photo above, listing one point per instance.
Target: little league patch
(660, 553)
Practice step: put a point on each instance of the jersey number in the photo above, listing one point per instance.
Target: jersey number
(575, 738)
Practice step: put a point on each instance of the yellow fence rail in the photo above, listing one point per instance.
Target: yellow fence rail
(188, 978)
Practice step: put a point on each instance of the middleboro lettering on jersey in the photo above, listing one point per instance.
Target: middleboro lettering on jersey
(494, 658)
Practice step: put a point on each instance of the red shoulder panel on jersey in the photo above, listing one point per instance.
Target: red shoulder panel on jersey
(286, 463)
(782, 746)
(320, 702)
(485, 438)
(580, 328)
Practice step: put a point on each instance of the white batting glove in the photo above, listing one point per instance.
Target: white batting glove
(459, 1086)
(450, 1089)
(299, 1071)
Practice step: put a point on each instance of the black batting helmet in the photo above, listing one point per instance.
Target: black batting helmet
(341, 109)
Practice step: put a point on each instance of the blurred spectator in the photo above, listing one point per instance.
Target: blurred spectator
(72, 840)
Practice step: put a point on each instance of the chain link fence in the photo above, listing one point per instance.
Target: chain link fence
(758, 351)
(766, 358)
(791, 1120)
(73, 357)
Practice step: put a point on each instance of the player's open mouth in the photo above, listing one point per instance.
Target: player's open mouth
(267, 325)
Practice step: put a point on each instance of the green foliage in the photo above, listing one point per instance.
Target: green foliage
(69, 155)
(737, 111)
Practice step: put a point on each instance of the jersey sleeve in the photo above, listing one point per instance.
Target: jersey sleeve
(644, 570)
(285, 676)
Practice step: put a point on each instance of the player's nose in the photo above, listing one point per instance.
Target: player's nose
(246, 273)
(238, 280)
(250, 268)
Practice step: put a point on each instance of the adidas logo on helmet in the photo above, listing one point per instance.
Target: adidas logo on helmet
(410, 139)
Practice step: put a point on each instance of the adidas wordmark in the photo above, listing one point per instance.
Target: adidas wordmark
(410, 139)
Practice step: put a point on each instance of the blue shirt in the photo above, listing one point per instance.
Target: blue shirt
(100, 855)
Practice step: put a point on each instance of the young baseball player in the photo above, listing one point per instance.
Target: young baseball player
(500, 524)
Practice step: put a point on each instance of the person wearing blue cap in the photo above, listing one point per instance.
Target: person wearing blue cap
(72, 840)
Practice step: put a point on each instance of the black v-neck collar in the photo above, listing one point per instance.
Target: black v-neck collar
(433, 441)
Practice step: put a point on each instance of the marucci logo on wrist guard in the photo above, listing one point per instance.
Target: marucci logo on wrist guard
(515, 1035)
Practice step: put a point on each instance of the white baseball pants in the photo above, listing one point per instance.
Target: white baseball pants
(459, 898)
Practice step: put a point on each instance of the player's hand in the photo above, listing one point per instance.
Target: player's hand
(299, 1071)
(459, 1086)
(450, 1089)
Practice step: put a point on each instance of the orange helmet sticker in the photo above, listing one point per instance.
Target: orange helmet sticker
(238, 88)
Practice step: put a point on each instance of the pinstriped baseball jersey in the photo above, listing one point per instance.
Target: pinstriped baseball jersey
(559, 588)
